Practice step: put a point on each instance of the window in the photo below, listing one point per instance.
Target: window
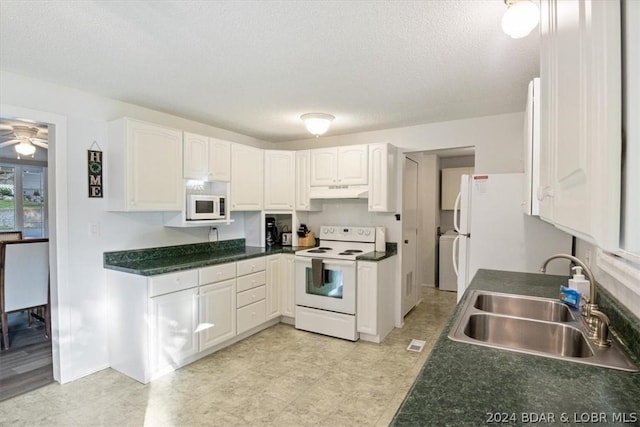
(23, 201)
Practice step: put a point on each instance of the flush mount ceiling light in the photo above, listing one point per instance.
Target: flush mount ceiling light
(317, 123)
(521, 18)
(25, 147)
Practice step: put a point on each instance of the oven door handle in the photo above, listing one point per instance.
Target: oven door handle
(328, 261)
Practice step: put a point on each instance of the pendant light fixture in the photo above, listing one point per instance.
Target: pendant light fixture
(521, 17)
(317, 123)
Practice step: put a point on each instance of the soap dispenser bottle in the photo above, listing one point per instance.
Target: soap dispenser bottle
(579, 282)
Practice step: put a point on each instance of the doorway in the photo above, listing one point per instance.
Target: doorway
(24, 201)
(409, 234)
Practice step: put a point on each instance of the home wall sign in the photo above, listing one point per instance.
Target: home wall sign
(94, 161)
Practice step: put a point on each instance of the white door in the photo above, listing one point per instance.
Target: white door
(274, 265)
(196, 154)
(353, 162)
(217, 313)
(324, 164)
(409, 235)
(278, 179)
(219, 160)
(173, 321)
(247, 181)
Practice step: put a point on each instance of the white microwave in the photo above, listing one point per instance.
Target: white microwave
(204, 206)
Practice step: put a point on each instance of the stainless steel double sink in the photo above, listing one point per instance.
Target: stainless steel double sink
(532, 325)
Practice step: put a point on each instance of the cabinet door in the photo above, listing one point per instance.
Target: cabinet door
(173, 319)
(367, 298)
(278, 179)
(247, 174)
(274, 284)
(582, 66)
(217, 313)
(196, 153)
(287, 288)
(324, 166)
(154, 167)
(450, 186)
(219, 160)
(353, 165)
(382, 170)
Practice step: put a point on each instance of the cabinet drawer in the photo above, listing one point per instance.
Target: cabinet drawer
(251, 316)
(251, 281)
(251, 296)
(217, 273)
(172, 282)
(250, 266)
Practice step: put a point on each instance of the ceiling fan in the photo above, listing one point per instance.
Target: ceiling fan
(26, 138)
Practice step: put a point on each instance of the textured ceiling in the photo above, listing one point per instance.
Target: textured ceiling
(255, 66)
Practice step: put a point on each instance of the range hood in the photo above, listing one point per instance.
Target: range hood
(340, 192)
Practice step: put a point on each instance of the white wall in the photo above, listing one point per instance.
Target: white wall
(84, 295)
(498, 140)
(429, 217)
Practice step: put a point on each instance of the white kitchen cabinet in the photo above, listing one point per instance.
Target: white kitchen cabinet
(173, 319)
(303, 184)
(275, 270)
(143, 167)
(287, 288)
(247, 176)
(195, 156)
(252, 294)
(217, 313)
(580, 76)
(219, 160)
(279, 183)
(450, 186)
(382, 173)
(375, 296)
(344, 165)
(206, 159)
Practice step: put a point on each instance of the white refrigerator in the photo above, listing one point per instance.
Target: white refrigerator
(494, 233)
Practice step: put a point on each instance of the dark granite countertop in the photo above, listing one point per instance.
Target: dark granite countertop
(462, 384)
(168, 259)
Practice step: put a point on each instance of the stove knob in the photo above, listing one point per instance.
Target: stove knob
(331, 230)
(368, 232)
(360, 231)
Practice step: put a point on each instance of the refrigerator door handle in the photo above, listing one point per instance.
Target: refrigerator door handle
(456, 206)
(453, 254)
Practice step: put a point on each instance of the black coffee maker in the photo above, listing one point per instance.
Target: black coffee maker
(271, 231)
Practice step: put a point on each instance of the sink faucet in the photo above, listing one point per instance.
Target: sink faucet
(597, 321)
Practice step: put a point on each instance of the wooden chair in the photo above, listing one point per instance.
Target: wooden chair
(10, 235)
(24, 280)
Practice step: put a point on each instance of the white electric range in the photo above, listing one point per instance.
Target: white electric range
(325, 281)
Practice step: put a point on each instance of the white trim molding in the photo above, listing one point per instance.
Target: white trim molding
(621, 278)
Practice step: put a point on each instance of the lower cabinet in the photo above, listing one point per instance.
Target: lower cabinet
(160, 323)
(173, 319)
(375, 284)
(252, 291)
(287, 286)
(274, 283)
(217, 313)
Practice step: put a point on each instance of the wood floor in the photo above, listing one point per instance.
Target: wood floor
(27, 365)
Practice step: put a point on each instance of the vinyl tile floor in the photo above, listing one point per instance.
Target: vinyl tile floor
(278, 377)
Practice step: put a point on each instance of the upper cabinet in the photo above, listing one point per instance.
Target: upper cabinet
(206, 159)
(345, 165)
(382, 173)
(144, 167)
(580, 153)
(279, 184)
(450, 186)
(302, 182)
(247, 174)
